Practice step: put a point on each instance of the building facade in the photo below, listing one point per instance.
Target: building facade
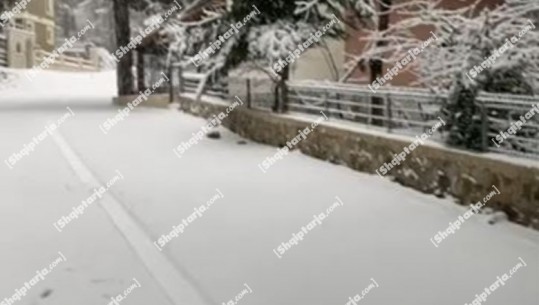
(33, 29)
(31, 39)
(3, 48)
(40, 15)
(355, 44)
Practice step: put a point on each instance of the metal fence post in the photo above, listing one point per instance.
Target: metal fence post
(326, 102)
(484, 126)
(181, 83)
(389, 113)
(248, 87)
(171, 84)
(370, 97)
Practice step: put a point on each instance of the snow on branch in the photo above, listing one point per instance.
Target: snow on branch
(466, 38)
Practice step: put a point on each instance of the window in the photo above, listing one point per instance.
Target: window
(18, 48)
(19, 23)
(50, 35)
(49, 7)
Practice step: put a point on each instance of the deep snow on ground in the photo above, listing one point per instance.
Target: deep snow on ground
(381, 232)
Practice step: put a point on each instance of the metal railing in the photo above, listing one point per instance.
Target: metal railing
(396, 109)
(503, 111)
(188, 83)
(401, 110)
(411, 111)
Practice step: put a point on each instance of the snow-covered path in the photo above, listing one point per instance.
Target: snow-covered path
(381, 232)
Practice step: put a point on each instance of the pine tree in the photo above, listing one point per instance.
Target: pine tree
(265, 40)
(463, 117)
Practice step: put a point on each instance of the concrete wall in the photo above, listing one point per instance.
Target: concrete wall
(429, 169)
(316, 63)
(155, 100)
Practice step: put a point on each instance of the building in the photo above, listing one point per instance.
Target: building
(40, 16)
(355, 45)
(3, 48)
(33, 29)
(320, 63)
(31, 38)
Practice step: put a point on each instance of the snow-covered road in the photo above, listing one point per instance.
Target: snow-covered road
(36, 193)
(381, 232)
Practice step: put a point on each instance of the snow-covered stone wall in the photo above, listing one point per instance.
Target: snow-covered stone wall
(431, 168)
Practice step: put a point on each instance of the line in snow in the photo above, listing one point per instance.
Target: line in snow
(179, 289)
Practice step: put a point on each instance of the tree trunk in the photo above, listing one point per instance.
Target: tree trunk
(376, 66)
(276, 97)
(281, 92)
(141, 84)
(284, 89)
(123, 33)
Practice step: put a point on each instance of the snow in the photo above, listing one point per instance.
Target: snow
(382, 231)
(40, 189)
(467, 34)
(49, 85)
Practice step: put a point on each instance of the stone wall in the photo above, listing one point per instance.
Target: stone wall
(154, 101)
(431, 168)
